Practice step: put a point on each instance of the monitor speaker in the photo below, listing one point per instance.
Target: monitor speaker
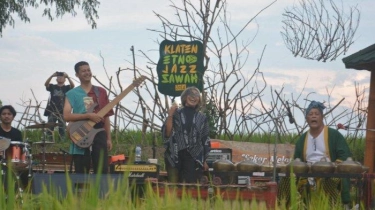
(79, 183)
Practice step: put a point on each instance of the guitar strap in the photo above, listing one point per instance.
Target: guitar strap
(96, 91)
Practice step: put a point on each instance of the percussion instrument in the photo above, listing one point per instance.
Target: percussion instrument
(323, 166)
(43, 125)
(349, 166)
(297, 166)
(223, 165)
(247, 166)
(18, 154)
(43, 143)
(4, 143)
(16, 159)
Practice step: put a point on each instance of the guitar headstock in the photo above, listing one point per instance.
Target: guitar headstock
(138, 81)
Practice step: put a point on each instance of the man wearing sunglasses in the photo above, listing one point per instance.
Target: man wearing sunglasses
(186, 139)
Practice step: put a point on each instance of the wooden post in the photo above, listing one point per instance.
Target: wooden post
(370, 135)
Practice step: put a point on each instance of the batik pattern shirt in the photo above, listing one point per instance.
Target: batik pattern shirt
(196, 139)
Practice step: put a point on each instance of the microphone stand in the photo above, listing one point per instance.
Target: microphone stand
(356, 129)
(29, 157)
(275, 120)
(277, 139)
(154, 145)
(275, 148)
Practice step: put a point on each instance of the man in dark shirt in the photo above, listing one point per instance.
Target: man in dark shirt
(7, 132)
(55, 105)
(7, 114)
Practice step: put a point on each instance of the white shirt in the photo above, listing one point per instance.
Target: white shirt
(316, 148)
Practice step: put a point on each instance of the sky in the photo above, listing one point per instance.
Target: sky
(31, 52)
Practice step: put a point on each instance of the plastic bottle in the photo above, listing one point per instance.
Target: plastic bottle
(138, 153)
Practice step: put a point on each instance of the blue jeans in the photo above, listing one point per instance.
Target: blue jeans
(53, 118)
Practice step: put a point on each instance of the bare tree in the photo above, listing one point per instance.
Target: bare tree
(235, 95)
(230, 88)
(232, 91)
(317, 31)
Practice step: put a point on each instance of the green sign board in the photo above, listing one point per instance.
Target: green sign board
(180, 66)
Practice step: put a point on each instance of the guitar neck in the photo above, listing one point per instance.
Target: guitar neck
(115, 101)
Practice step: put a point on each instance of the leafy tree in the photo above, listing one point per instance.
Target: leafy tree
(53, 8)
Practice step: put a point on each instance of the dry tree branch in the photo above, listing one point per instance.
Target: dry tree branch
(316, 31)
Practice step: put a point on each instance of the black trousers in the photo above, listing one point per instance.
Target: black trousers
(98, 156)
(187, 169)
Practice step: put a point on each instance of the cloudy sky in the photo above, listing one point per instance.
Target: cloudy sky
(31, 52)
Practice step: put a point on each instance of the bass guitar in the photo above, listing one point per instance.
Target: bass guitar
(82, 132)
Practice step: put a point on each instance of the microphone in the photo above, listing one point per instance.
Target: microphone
(341, 126)
(344, 127)
(290, 116)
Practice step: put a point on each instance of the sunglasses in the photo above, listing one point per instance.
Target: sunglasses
(194, 94)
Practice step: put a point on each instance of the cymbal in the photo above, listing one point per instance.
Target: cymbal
(4, 143)
(44, 125)
(42, 143)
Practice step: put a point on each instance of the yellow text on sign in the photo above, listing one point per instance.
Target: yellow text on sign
(179, 78)
(181, 49)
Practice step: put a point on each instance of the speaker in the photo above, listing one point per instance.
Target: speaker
(58, 183)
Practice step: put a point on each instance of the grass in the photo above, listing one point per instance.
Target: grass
(120, 195)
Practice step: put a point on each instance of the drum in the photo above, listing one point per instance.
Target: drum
(17, 155)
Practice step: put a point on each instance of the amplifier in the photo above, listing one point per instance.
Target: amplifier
(59, 184)
(217, 154)
(138, 172)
